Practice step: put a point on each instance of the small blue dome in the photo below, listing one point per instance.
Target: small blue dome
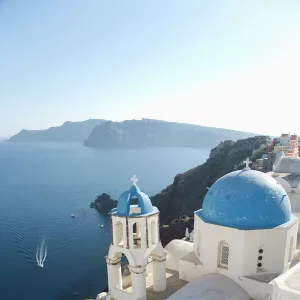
(144, 202)
(246, 200)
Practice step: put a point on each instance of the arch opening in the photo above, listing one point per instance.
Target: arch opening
(119, 234)
(154, 235)
(136, 235)
(118, 273)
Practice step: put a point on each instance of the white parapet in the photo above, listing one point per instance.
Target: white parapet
(286, 286)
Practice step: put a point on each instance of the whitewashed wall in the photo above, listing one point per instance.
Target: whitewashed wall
(244, 248)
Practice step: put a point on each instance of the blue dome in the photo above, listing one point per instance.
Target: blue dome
(123, 208)
(246, 200)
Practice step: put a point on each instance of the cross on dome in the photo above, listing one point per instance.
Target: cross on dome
(247, 162)
(134, 179)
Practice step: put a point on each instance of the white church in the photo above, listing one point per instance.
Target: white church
(244, 243)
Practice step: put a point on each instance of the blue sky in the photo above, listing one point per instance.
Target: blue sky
(226, 63)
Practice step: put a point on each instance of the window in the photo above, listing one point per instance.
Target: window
(223, 255)
(136, 235)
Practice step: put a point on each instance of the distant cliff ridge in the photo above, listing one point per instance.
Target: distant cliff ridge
(131, 134)
(156, 133)
(68, 132)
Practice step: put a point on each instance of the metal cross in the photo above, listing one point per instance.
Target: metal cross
(247, 162)
(134, 179)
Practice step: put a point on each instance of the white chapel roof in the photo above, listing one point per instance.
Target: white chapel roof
(288, 164)
(177, 249)
(211, 286)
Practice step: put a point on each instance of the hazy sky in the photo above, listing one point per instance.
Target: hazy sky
(231, 64)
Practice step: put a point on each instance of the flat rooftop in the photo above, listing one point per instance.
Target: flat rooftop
(266, 278)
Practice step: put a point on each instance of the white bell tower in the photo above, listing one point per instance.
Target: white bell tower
(135, 234)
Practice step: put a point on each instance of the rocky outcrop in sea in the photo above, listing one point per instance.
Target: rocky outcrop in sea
(104, 203)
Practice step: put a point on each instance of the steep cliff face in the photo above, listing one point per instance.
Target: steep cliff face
(156, 133)
(68, 132)
(187, 192)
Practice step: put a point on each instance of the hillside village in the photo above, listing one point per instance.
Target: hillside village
(266, 154)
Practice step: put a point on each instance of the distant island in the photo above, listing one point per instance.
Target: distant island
(68, 132)
(156, 133)
(132, 134)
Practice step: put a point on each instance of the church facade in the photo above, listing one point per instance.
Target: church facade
(243, 247)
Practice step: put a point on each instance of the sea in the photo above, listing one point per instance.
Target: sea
(41, 185)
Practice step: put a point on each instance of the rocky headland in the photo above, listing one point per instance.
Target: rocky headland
(157, 133)
(75, 132)
(178, 201)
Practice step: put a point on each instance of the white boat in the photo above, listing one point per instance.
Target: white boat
(73, 216)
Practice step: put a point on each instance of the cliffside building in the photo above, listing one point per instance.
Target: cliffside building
(288, 144)
(265, 163)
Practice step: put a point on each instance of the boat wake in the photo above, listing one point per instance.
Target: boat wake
(41, 253)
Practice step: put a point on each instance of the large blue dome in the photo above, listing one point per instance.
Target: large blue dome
(246, 200)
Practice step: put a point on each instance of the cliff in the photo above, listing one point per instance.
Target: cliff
(156, 133)
(68, 132)
(186, 193)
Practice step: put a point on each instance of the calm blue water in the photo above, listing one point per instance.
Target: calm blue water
(41, 185)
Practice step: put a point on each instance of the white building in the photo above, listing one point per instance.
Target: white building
(243, 247)
(288, 144)
(286, 171)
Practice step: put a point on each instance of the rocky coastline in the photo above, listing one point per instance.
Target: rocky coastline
(178, 201)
